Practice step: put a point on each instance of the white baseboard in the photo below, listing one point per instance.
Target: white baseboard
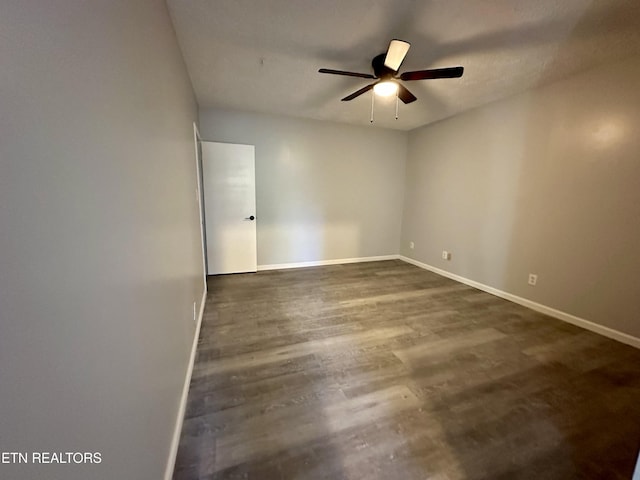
(175, 441)
(318, 263)
(538, 307)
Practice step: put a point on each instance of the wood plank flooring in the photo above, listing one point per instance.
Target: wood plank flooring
(382, 370)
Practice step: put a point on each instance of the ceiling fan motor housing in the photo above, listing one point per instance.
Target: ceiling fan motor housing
(379, 69)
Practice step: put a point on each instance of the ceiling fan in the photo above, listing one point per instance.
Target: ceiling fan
(385, 69)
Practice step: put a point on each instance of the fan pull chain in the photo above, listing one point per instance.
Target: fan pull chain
(396, 105)
(373, 97)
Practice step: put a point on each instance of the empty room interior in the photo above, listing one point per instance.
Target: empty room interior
(365, 239)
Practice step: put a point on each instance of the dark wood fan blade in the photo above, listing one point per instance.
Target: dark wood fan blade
(348, 74)
(405, 95)
(358, 93)
(452, 72)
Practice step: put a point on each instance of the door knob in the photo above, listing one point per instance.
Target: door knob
(250, 218)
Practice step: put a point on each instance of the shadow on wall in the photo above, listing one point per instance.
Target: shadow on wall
(541, 183)
(574, 221)
(577, 212)
(552, 190)
(307, 241)
(321, 217)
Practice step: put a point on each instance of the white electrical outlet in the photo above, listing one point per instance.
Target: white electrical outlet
(411, 245)
(533, 279)
(446, 255)
(194, 311)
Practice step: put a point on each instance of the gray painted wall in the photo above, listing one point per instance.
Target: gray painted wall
(547, 182)
(323, 190)
(99, 239)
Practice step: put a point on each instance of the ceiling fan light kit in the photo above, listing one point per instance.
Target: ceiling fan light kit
(385, 69)
(386, 88)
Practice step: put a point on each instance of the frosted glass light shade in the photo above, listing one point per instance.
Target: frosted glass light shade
(385, 89)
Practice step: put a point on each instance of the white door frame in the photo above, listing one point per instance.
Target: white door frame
(196, 140)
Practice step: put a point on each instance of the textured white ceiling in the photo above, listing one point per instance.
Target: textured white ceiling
(264, 55)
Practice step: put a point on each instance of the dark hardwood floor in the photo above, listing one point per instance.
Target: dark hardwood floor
(382, 370)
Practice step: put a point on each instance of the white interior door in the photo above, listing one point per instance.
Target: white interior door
(228, 172)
